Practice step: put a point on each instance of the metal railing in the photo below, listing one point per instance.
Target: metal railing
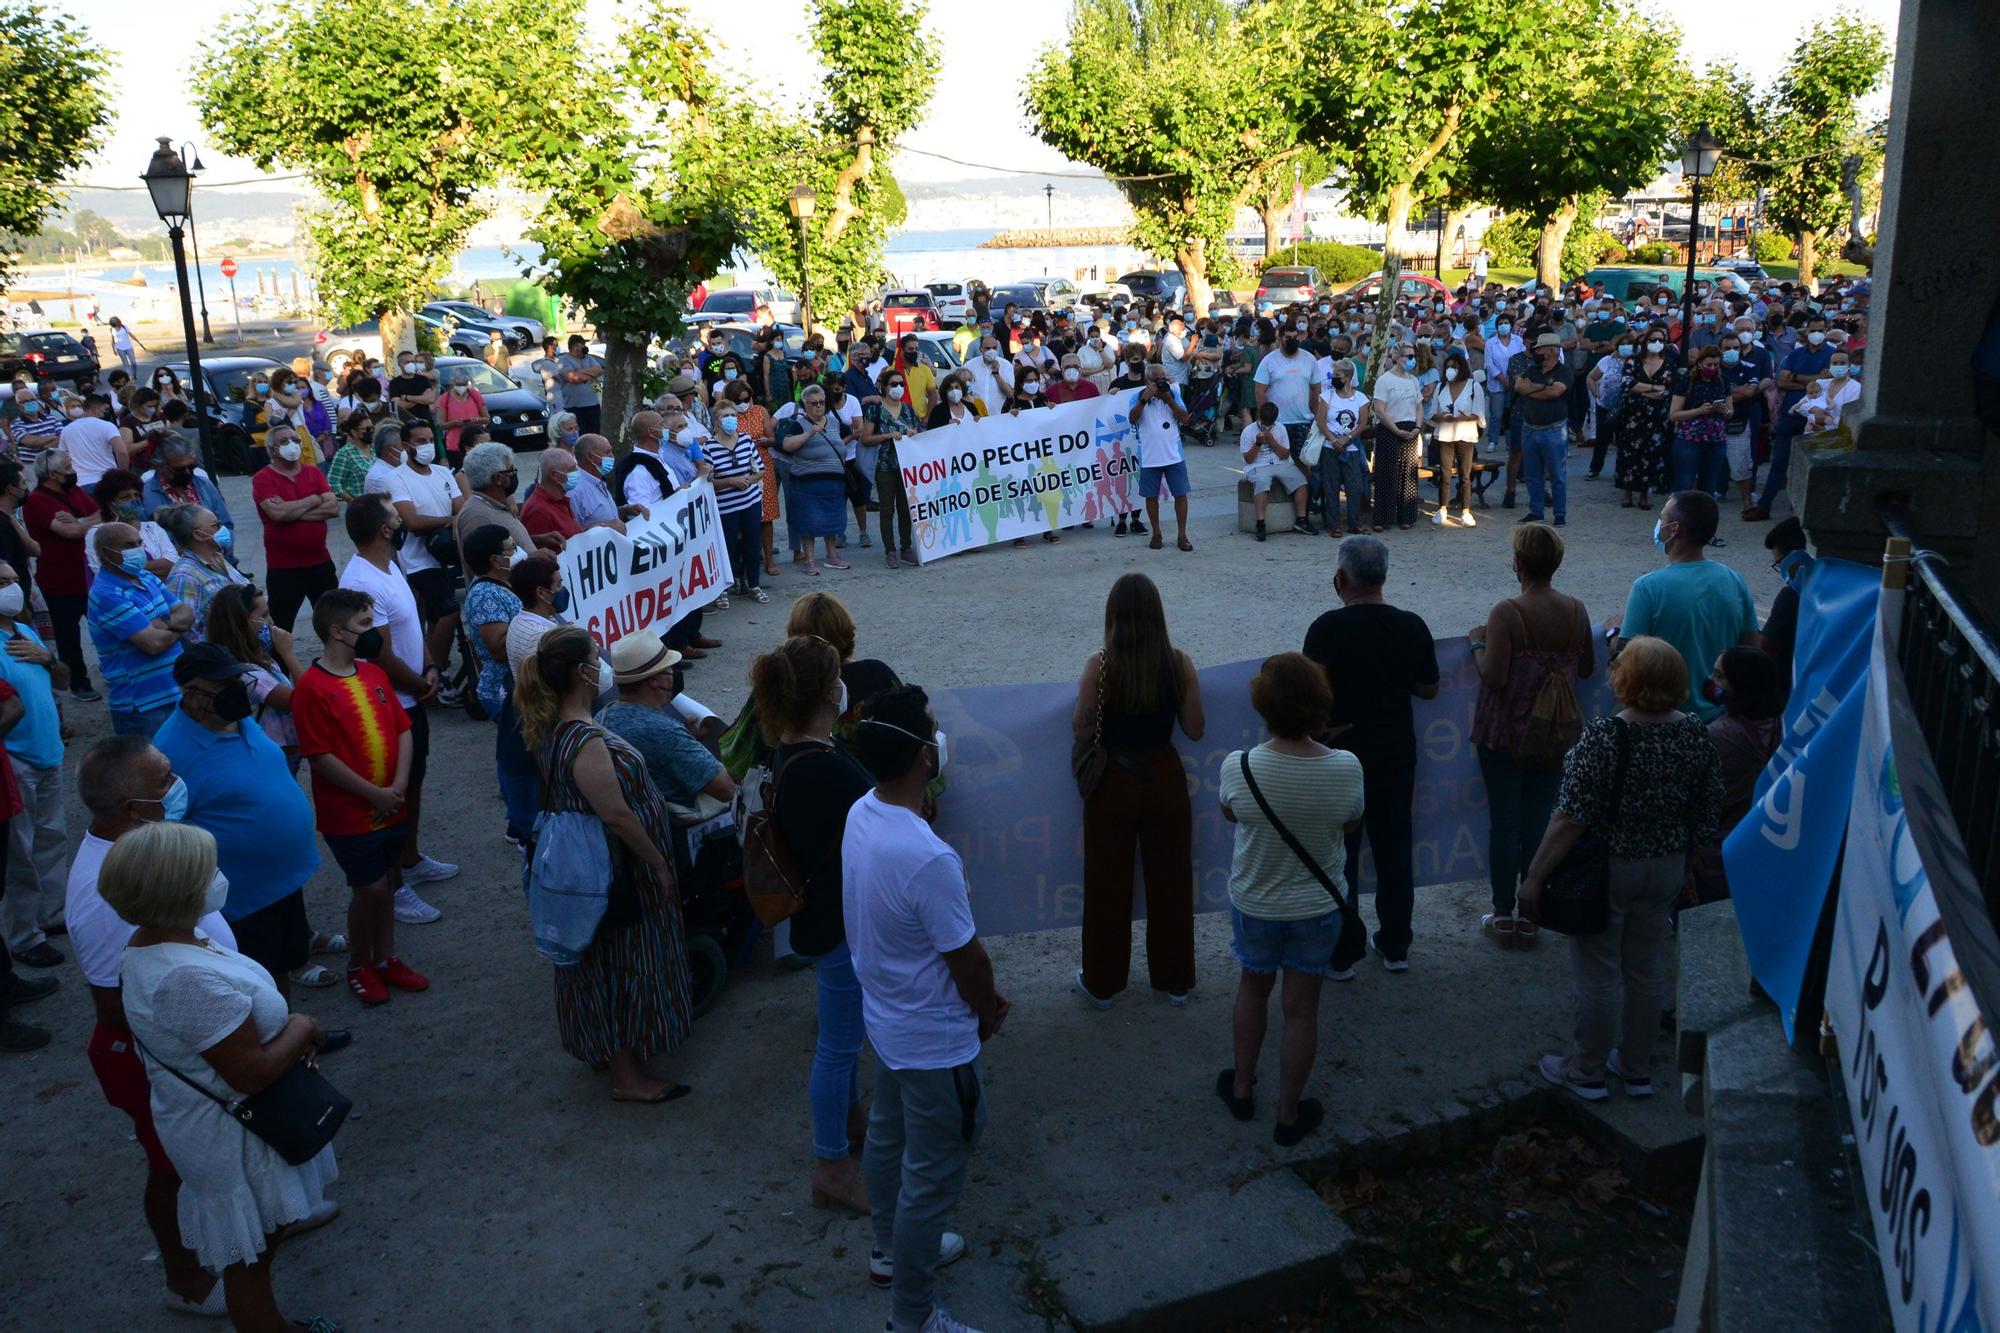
(1951, 666)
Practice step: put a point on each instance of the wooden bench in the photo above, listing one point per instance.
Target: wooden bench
(1484, 473)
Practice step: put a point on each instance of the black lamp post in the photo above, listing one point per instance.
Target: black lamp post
(802, 201)
(1698, 161)
(201, 288)
(172, 187)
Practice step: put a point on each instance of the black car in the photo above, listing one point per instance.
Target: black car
(1151, 284)
(517, 417)
(453, 316)
(1025, 297)
(49, 356)
(226, 379)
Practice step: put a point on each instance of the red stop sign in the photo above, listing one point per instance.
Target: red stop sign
(228, 268)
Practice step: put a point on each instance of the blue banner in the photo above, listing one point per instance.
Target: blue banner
(1781, 858)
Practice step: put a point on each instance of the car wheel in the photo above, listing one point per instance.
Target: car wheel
(526, 335)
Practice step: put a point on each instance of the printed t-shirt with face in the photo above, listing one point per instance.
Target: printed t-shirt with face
(395, 614)
(1343, 414)
(358, 720)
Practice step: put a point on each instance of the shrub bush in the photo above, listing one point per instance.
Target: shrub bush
(1510, 242)
(1587, 247)
(1772, 248)
(1335, 262)
(1653, 252)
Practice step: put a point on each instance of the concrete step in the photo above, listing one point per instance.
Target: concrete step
(1209, 1257)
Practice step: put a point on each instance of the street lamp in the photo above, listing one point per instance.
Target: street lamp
(1698, 161)
(172, 187)
(200, 287)
(801, 201)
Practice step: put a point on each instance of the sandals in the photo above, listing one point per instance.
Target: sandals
(1185, 544)
(317, 976)
(325, 942)
(1157, 543)
(1499, 928)
(720, 604)
(672, 1092)
(759, 596)
(1526, 932)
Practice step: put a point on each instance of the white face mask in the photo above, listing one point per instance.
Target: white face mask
(1071, 374)
(216, 895)
(954, 395)
(12, 599)
(895, 393)
(290, 451)
(425, 453)
(840, 701)
(1451, 372)
(461, 389)
(1655, 348)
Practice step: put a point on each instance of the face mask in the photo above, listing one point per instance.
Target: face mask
(605, 464)
(1409, 363)
(1730, 358)
(840, 701)
(133, 561)
(954, 395)
(726, 422)
(1323, 308)
(368, 645)
(1816, 337)
(1793, 566)
(290, 451)
(936, 741)
(569, 482)
(1709, 370)
(1839, 372)
(1451, 372)
(1505, 330)
(1713, 692)
(1658, 540)
(992, 355)
(895, 393)
(129, 513)
(263, 389)
(461, 389)
(31, 408)
(1032, 387)
(1340, 383)
(1655, 347)
(174, 805)
(1291, 345)
(1626, 350)
(12, 599)
(560, 601)
(231, 703)
(224, 538)
(729, 372)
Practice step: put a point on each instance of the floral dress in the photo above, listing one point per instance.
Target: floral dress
(1640, 429)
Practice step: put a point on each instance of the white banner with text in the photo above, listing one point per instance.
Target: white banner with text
(658, 570)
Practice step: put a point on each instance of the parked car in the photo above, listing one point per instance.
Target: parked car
(1409, 287)
(364, 340)
(1629, 283)
(517, 333)
(908, 311)
(740, 336)
(49, 355)
(1152, 284)
(759, 305)
(1053, 293)
(226, 381)
(1104, 294)
(953, 300)
(1283, 286)
(938, 351)
(517, 416)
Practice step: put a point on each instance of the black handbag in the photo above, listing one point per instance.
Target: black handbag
(1353, 940)
(298, 1115)
(1576, 900)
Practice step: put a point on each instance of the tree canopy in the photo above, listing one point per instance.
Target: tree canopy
(53, 111)
(399, 112)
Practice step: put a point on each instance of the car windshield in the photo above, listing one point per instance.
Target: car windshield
(909, 300)
(946, 289)
(728, 303)
(54, 344)
(1016, 295)
(481, 376)
(1285, 277)
(229, 382)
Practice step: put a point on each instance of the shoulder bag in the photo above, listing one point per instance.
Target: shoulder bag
(1555, 719)
(298, 1115)
(1088, 760)
(1353, 935)
(1576, 900)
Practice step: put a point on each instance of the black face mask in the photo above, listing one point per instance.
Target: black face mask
(368, 645)
(231, 703)
(1291, 346)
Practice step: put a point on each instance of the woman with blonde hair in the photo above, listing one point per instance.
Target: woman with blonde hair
(212, 1029)
(1132, 693)
(1648, 783)
(626, 1000)
(799, 694)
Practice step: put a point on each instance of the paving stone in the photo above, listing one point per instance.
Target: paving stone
(1714, 989)
(1210, 1259)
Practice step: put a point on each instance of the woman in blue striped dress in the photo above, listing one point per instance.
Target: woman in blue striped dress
(626, 1000)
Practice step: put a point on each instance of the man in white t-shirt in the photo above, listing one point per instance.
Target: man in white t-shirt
(376, 530)
(1288, 376)
(1157, 417)
(93, 444)
(1267, 463)
(1177, 352)
(927, 999)
(427, 498)
(388, 458)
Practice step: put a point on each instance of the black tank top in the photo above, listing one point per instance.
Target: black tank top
(1150, 732)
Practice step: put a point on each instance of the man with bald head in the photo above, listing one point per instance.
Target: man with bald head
(641, 479)
(137, 626)
(590, 498)
(547, 509)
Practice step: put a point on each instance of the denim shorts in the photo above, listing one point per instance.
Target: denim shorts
(1174, 474)
(1296, 946)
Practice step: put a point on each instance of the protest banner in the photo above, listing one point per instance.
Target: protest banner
(658, 570)
(1005, 476)
(1012, 812)
(1781, 857)
(1916, 1053)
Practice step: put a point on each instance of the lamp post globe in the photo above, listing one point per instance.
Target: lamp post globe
(171, 186)
(1698, 162)
(802, 200)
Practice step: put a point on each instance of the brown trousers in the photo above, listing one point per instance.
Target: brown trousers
(1146, 812)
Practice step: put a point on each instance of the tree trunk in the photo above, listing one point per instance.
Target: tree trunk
(1402, 199)
(1555, 233)
(1274, 227)
(1808, 256)
(1454, 222)
(1192, 259)
(624, 365)
(399, 334)
(1385, 312)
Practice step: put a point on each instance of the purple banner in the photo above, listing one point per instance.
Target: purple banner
(1012, 811)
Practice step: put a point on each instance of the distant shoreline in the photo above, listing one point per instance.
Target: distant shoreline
(1037, 238)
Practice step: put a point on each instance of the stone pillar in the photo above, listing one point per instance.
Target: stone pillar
(1937, 272)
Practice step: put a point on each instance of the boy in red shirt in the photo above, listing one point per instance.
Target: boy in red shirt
(356, 736)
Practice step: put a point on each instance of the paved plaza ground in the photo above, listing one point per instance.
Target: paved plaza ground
(486, 1180)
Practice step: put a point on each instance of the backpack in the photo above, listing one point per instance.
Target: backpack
(772, 880)
(1555, 720)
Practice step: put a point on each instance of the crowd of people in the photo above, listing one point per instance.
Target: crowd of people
(184, 903)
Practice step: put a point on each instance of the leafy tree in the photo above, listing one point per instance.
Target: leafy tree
(1556, 158)
(1725, 99)
(52, 111)
(399, 112)
(1269, 191)
(1813, 123)
(1183, 103)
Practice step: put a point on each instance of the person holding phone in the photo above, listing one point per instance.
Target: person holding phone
(1157, 418)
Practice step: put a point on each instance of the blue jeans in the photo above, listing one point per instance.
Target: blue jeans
(1343, 470)
(836, 1082)
(139, 722)
(1546, 461)
(1699, 465)
(520, 785)
(1497, 396)
(1519, 802)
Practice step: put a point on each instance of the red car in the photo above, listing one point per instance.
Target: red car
(910, 312)
(1409, 287)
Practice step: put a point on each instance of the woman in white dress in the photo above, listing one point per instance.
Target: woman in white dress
(207, 1016)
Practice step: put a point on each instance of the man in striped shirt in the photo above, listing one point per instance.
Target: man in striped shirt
(137, 626)
(35, 427)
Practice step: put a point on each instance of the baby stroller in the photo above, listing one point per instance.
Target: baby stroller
(715, 915)
(1204, 403)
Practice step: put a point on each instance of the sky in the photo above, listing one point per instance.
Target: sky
(975, 114)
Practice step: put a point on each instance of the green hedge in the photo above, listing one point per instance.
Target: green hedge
(1335, 262)
(1772, 248)
(1654, 252)
(1510, 242)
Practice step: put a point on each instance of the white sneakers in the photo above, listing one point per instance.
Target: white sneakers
(939, 1322)
(882, 1269)
(429, 870)
(1466, 520)
(412, 910)
(1084, 991)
